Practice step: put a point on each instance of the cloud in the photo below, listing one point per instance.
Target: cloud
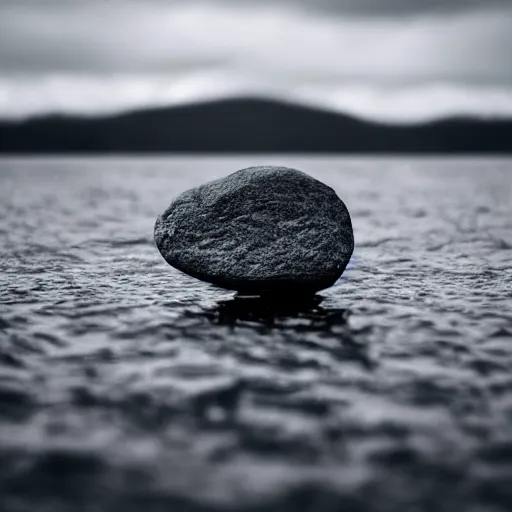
(109, 55)
(20, 98)
(414, 103)
(268, 41)
(97, 36)
(370, 8)
(386, 8)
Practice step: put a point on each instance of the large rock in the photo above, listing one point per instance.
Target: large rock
(262, 230)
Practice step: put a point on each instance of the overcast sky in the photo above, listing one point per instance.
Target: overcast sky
(395, 60)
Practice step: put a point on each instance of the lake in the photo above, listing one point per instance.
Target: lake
(126, 385)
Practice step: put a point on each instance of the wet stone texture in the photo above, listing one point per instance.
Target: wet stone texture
(262, 230)
(126, 385)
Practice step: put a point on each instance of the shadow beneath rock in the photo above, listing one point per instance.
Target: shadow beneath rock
(281, 312)
(303, 322)
(299, 322)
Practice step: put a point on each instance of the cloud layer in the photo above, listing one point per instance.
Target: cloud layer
(376, 58)
(387, 8)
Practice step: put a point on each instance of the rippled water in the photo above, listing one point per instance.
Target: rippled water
(125, 385)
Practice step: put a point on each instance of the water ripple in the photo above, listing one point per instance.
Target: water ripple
(126, 385)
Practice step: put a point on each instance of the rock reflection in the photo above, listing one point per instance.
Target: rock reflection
(300, 313)
(292, 333)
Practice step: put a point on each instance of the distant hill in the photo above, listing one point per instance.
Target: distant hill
(248, 125)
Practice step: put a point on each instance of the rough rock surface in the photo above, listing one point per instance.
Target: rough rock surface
(259, 230)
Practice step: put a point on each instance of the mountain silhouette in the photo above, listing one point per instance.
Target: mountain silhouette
(249, 125)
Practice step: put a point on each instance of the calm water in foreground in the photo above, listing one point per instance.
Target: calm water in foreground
(126, 386)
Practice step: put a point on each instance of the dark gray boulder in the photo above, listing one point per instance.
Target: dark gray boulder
(262, 230)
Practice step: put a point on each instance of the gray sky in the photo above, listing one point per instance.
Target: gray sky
(389, 59)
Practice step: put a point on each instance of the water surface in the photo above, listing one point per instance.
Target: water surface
(125, 385)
